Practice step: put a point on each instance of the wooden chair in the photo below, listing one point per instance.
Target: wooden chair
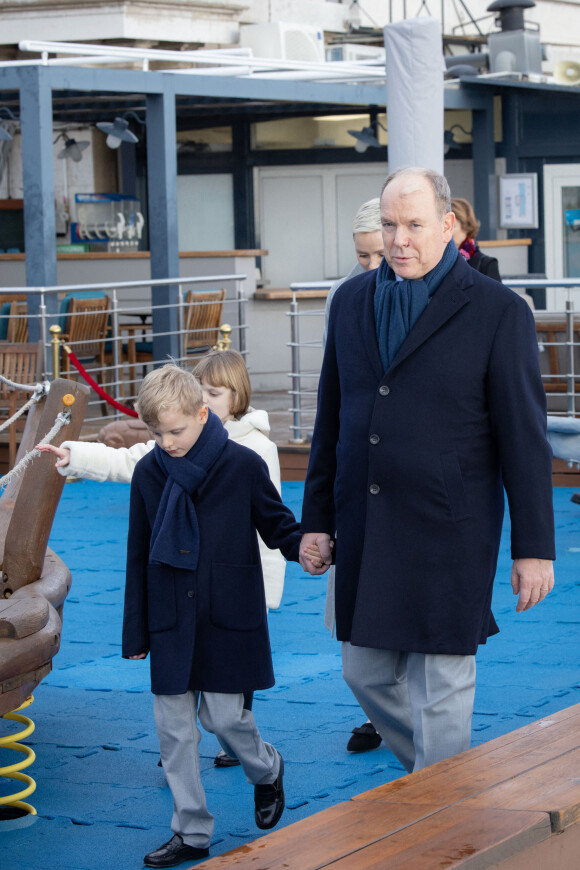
(554, 355)
(13, 322)
(203, 315)
(17, 323)
(85, 329)
(21, 363)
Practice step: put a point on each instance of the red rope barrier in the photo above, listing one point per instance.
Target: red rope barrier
(97, 388)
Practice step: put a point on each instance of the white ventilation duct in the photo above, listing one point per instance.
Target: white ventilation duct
(415, 99)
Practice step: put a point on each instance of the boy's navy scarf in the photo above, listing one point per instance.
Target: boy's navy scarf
(398, 304)
(175, 533)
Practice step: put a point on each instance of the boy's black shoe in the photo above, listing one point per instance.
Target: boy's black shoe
(269, 801)
(364, 738)
(222, 759)
(174, 852)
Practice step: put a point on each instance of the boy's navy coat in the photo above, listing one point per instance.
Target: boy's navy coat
(207, 629)
(407, 465)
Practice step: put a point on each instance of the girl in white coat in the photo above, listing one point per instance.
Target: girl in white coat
(225, 383)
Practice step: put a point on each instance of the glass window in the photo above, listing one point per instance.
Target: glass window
(323, 131)
(209, 139)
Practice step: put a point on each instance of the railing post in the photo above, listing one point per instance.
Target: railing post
(570, 343)
(44, 335)
(116, 354)
(240, 296)
(55, 350)
(181, 322)
(295, 373)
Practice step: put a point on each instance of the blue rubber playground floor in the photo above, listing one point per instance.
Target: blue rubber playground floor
(101, 799)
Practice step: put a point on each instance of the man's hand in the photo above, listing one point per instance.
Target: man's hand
(63, 453)
(532, 579)
(324, 544)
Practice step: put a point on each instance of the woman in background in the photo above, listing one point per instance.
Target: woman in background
(464, 235)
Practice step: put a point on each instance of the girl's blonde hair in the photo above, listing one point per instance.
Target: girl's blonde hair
(226, 368)
(464, 213)
(164, 388)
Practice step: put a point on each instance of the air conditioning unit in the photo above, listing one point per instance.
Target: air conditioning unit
(284, 41)
(352, 53)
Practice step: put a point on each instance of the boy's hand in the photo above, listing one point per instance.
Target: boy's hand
(312, 551)
(322, 544)
(140, 656)
(63, 453)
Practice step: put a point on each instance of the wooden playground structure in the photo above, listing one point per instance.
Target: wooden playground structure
(35, 582)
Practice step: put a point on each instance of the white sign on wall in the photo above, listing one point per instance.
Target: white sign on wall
(518, 201)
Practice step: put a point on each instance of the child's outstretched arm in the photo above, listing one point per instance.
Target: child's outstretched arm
(95, 461)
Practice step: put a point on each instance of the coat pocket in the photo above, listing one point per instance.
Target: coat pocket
(455, 488)
(162, 607)
(237, 597)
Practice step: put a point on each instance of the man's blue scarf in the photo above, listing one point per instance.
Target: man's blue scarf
(175, 533)
(398, 304)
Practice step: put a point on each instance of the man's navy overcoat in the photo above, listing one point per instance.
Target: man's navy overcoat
(207, 629)
(408, 466)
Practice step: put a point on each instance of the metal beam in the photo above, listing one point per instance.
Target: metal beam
(38, 188)
(162, 204)
(483, 151)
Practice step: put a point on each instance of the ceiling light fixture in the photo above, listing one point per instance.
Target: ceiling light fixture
(72, 150)
(450, 142)
(6, 132)
(367, 137)
(118, 130)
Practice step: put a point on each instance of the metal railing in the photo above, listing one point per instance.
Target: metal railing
(130, 304)
(560, 385)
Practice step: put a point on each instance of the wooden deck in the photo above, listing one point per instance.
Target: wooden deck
(512, 803)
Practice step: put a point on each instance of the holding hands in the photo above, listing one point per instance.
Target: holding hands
(316, 552)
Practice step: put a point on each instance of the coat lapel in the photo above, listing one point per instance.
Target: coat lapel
(365, 309)
(447, 300)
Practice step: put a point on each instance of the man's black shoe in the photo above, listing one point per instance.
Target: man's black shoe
(364, 738)
(174, 852)
(269, 801)
(575, 497)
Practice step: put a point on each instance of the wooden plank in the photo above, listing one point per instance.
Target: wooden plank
(453, 838)
(325, 837)
(552, 788)
(351, 836)
(490, 764)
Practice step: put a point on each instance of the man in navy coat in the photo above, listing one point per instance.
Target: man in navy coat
(430, 405)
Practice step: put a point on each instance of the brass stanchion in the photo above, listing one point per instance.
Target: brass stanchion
(55, 348)
(225, 340)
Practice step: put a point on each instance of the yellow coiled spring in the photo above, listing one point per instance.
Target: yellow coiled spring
(12, 770)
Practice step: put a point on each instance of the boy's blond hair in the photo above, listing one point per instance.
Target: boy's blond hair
(164, 388)
(227, 368)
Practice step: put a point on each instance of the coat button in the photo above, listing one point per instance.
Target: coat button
(374, 439)
(190, 593)
(374, 489)
(384, 390)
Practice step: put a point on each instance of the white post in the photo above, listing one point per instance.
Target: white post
(415, 99)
